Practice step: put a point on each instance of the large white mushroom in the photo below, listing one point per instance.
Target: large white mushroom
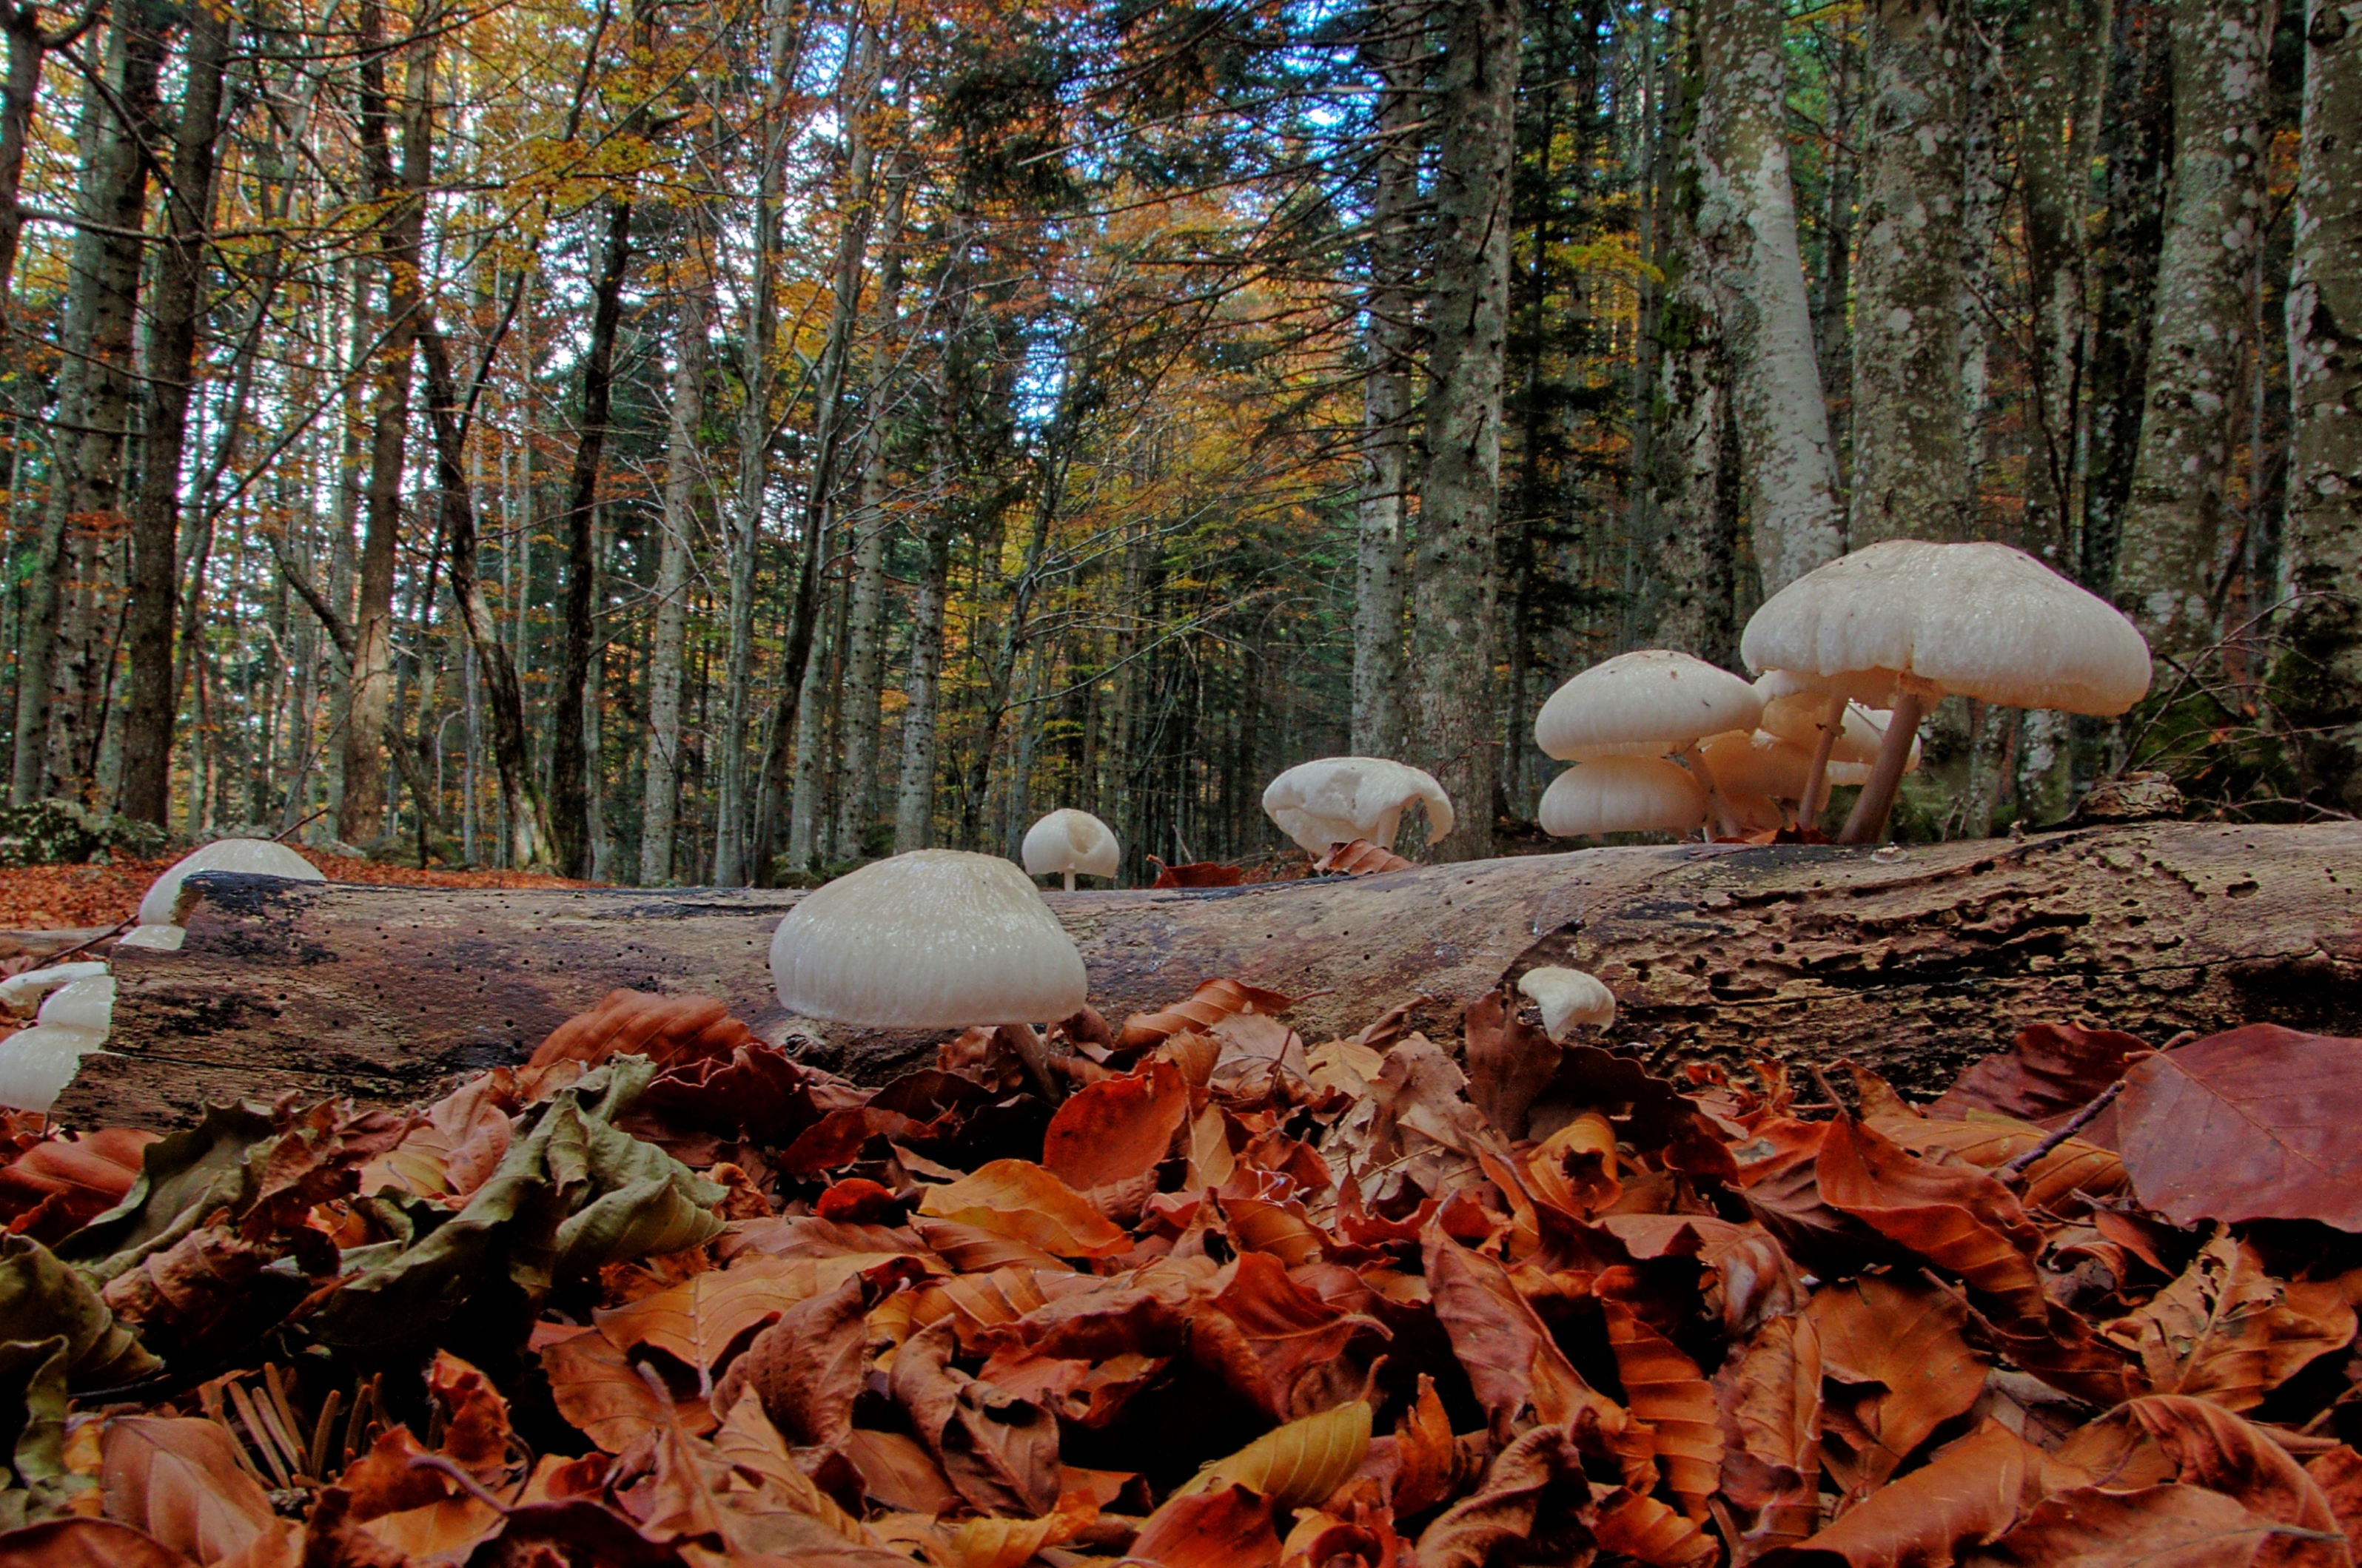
(1901, 624)
(1622, 794)
(36, 1064)
(162, 910)
(1334, 800)
(1068, 841)
(931, 939)
(1650, 703)
(1842, 736)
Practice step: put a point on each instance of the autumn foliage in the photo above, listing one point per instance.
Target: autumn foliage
(665, 1296)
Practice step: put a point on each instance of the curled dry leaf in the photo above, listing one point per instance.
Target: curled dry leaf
(2222, 1453)
(1297, 1465)
(1509, 1062)
(1197, 873)
(1664, 1390)
(2227, 1331)
(665, 1029)
(1970, 1492)
(1226, 1528)
(1018, 1199)
(1538, 1473)
(2092, 1527)
(1902, 1368)
(1207, 1005)
(1359, 857)
(78, 1178)
(1117, 1129)
(1956, 1218)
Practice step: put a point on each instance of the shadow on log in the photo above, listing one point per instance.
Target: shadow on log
(1913, 960)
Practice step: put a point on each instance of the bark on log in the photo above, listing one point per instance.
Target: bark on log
(1913, 961)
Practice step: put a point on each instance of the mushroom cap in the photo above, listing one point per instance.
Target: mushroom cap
(85, 1004)
(931, 939)
(1568, 997)
(1797, 718)
(1752, 762)
(256, 857)
(21, 995)
(36, 1064)
(1333, 800)
(1621, 795)
(1643, 704)
(1071, 840)
(1980, 619)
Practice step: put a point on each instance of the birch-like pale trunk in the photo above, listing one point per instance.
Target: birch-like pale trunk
(660, 794)
(914, 791)
(2061, 72)
(2174, 533)
(1455, 733)
(1910, 468)
(2320, 673)
(1389, 338)
(1747, 229)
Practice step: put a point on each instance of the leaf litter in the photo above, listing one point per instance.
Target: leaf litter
(663, 1295)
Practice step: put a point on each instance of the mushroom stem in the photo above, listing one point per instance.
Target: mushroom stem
(1070, 881)
(1870, 812)
(1034, 1052)
(1817, 783)
(1725, 819)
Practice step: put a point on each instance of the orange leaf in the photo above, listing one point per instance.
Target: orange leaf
(1968, 1494)
(1116, 1129)
(1196, 873)
(1956, 1217)
(1663, 1388)
(1359, 857)
(1637, 1525)
(85, 1543)
(2219, 1450)
(1905, 1340)
(700, 1318)
(1018, 1198)
(179, 1479)
(597, 1388)
(665, 1029)
(1209, 1004)
(1229, 1529)
(1426, 1458)
(2182, 1526)
(2225, 1330)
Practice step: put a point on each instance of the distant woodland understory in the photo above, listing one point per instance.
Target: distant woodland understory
(716, 441)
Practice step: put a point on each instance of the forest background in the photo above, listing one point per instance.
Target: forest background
(712, 441)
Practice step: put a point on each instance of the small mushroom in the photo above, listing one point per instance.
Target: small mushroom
(163, 911)
(1067, 842)
(1622, 794)
(1568, 997)
(36, 1064)
(1652, 703)
(1903, 623)
(931, 939)
(1334, 800)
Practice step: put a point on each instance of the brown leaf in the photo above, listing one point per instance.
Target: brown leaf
(475, 1417)
(2227, 1331)
(1359, 857)
(1296, 1336)
(85, 1543)
(1651, 1115)
(701, 1318)
(1229, 1529)
(1427, 1461)
(1018, 1198)
(1635, 1525)
(896, 1471)
(1509, 1354)
(2256, 1124)
(1116, 1129)
(2339, 1473)
(1905, 1340)
(1541, 1471)
(1663, 1388)
(175, 1297)
(806, 1368)
(456, 1148)
(597, 1388)
(754, 1446)
(1207, 1005)
(2219, 1450)
(1968, 1494)
(2165, 1527)
(81, 1177)
(1770, 1402)
(1009, 1543)
(1956, 1218)
(1298, 1465)
(998, 1453)
(2050, 1072)
(179, 1480)
(1989, 1142)
(1574, 1169)
(1508, 1062)
(665, 1029)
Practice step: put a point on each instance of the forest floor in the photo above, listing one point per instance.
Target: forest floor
(71, 897)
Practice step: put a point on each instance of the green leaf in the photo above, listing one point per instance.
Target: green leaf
(41, 1296)
(183, 1177)
(33, 1431)
(573, 1193)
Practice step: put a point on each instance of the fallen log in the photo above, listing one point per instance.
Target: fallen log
(1911, 959)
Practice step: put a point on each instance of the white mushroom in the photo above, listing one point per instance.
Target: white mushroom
(163, 909)
(1568, 997)
(1622, 794)
(931, 939)
(36, 1064)
(1068, 841)
(1336, 799)
(1843, 736)
(21, 994)
(1902, 623)
(1652, 703)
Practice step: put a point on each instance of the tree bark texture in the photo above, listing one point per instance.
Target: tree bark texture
(1913, 963)
(1454, 582)
(660, 796)
(570, 794)
(1389, 340)
(915, 792)
(865, 644)
(2061, 72)
(1746, 233)
(175, 305)
(2321, 675)
(2173, 533)
(1910, 468)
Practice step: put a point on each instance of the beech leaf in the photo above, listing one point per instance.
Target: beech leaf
(1117, 1128)
(2258, 1124)
(1298, 1465)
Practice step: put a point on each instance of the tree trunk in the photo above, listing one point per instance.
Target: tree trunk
(1454, 581)
(1389, 340)
(361, 816)
(914, 791)
(2059, 74)
(178, 302)
(1910, 472)
(2321, 673)
(660, 800)
(1747, 229)
(1912, 962)
(93, 396)
(569, 809)
(28, 46)
(2173, 536)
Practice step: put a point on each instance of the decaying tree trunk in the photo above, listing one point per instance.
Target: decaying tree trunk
(1912, 962)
